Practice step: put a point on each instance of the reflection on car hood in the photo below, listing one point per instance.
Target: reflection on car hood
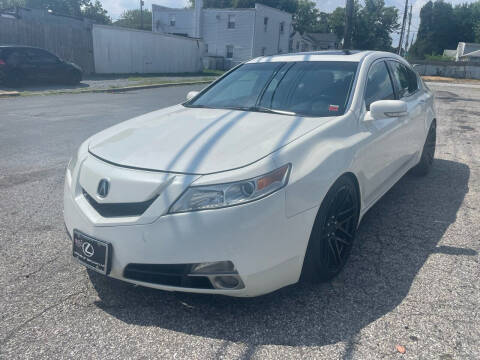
(198, 141)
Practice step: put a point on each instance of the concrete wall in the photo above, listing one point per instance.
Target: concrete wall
(123, 51)
(448, 69)
(67, 37)
(271, 39)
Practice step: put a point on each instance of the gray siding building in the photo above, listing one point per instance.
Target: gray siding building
(234, 34)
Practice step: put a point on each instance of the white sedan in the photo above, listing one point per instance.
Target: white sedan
(256, 182)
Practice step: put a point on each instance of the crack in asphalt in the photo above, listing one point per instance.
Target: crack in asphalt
(12, 332)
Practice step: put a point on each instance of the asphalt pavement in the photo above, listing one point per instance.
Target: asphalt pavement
(412, 280)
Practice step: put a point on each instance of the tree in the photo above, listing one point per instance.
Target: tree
(336, 22)
(131, 19)
(443, 26)
(306, 17)
(373, 25)
(85, 8)
(95, 11)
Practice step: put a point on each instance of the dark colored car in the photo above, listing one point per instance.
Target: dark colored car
(22, 65)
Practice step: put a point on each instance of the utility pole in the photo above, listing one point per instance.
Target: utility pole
(141, 14)
(402, 33)
(408, 31)
(347, 38)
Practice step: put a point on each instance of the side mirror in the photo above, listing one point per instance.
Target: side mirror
(387, 109)
(192, 94)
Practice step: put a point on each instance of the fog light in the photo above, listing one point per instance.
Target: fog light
(226, 282)
(218, 267)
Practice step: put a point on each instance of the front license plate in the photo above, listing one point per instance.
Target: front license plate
(93, 253)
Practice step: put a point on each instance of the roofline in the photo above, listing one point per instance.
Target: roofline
(363, 53)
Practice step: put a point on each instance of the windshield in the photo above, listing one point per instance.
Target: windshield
(303, 88)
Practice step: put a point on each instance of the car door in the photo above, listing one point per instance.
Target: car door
(408, 90)
(379, 157)
(43, 65)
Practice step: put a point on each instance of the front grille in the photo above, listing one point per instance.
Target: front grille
(170, 275)
(119, 209)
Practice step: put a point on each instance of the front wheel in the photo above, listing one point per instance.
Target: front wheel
(333, 233)
(74, 78)
(428, 152)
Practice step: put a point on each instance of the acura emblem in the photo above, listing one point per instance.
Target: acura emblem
(88, 249)
(103, 187)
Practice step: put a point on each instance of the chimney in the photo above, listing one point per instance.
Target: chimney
(197, 19)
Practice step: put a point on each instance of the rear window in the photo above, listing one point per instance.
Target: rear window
(304, 88)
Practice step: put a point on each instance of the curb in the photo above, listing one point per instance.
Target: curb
(9, 93)
(142, 87)
(113, 90)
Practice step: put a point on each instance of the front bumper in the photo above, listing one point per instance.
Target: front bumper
(266, 247)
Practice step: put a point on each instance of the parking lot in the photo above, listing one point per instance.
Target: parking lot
(412, 280)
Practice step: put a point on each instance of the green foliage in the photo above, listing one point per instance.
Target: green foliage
(86, 8)
(306, 17)
(439, 58)
(131, 19)
(95, 11)
(373, 24)
(6, 4)
(443, 26)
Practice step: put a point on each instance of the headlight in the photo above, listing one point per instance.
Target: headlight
(236, 193)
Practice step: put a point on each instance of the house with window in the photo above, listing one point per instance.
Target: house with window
(235, 34)
(312, 42)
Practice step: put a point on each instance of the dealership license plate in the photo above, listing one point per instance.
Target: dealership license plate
(93, 253)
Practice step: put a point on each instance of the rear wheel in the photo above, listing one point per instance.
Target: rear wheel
(428, 152)
(15, 79)
(333, 233)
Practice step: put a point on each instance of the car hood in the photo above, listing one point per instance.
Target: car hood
(198, 141)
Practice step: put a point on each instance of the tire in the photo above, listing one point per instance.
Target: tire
(333, 232)
(74, 78)
(428, 152)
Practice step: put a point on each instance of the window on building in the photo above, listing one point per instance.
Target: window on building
(290, 45)
(297, 46)
(229, 51)
(282, 27)
(379, 84)
(172, 20)
(231, 21)
(206, 48)
(265, 23)
(264, 50)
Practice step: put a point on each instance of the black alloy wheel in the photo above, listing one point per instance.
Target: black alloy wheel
(333, 233)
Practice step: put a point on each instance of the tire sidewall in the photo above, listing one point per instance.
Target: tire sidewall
(314, 267)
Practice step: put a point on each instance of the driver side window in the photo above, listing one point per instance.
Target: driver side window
(379, 84)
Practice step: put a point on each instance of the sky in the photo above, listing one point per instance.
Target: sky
(116, 7)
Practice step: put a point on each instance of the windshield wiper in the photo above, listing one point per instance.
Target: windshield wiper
(271, 111)
(248, 108)
(261, 109)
